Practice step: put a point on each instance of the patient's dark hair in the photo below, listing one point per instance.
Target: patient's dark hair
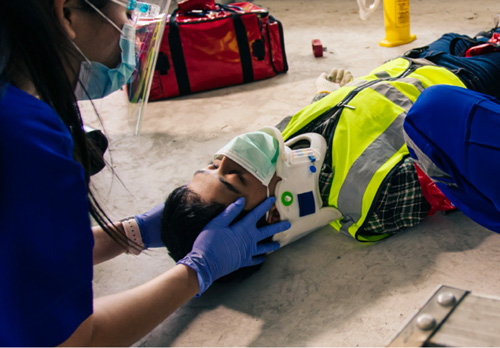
(184, 217)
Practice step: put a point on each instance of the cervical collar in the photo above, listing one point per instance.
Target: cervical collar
(298, 197)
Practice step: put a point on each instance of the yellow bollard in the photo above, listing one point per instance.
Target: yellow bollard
(397, 23)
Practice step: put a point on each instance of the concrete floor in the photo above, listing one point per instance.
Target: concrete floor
(326, 289)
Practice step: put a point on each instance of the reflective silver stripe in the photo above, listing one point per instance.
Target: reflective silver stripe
(383, 75)
(357, 83)
(413, 81)
(362, 170)
(421, 62)
(350, 199)
(393, 94)
(426, 164)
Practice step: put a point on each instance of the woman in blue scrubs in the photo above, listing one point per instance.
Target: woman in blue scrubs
(50, 50)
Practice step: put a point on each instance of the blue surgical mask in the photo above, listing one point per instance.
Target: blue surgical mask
(96, 80)
(257, 152)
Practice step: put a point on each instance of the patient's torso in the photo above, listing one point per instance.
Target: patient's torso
(400, 203)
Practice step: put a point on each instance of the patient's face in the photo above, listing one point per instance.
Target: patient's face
(223, 181)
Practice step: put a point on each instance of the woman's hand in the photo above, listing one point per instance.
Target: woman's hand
(222, 248)
(150, 227)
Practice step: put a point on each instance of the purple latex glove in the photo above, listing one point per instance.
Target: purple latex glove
(222, 248)
(150, 227)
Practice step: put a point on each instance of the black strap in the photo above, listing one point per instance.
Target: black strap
(270, 47)
(271, 19)
(243, 45)
(177, 54)
(162, 64)
(282, 42)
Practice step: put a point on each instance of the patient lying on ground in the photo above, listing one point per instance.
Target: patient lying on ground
(373, 195)
(367, 178)
(256, 165)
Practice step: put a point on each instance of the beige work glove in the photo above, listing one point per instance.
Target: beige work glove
(340, 76)
(327, 83)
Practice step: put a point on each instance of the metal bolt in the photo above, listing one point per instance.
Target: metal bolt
(446, 299)
(426, 322)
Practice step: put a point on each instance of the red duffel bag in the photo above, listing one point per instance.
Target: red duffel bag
(211, 48)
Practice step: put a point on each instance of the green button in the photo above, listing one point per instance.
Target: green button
(287, 198)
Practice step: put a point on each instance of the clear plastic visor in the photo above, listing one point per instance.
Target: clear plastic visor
(148, 19)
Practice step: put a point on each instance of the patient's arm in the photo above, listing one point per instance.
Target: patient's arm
(325, 84)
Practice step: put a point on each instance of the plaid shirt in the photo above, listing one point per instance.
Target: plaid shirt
(400, 202)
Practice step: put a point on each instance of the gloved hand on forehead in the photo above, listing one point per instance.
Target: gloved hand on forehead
(330, 82)
(222, 248)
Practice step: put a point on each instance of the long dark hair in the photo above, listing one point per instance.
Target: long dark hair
(34, 46)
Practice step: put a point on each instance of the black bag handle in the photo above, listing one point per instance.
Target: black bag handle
(243, 44)
(282, 43)
(177, 54)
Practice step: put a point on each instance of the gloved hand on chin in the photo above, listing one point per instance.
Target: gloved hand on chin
(222, 248)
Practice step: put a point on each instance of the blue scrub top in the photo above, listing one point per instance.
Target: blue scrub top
(46, 239)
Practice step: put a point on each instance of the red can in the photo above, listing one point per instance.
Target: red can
(317, 48)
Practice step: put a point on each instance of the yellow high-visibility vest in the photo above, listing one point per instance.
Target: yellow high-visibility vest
(367, 141)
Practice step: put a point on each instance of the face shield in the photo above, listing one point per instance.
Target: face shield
(149, 20)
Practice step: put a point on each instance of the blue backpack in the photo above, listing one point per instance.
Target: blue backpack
(454, 135)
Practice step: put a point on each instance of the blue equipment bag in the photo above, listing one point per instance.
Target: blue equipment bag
(454, 135)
